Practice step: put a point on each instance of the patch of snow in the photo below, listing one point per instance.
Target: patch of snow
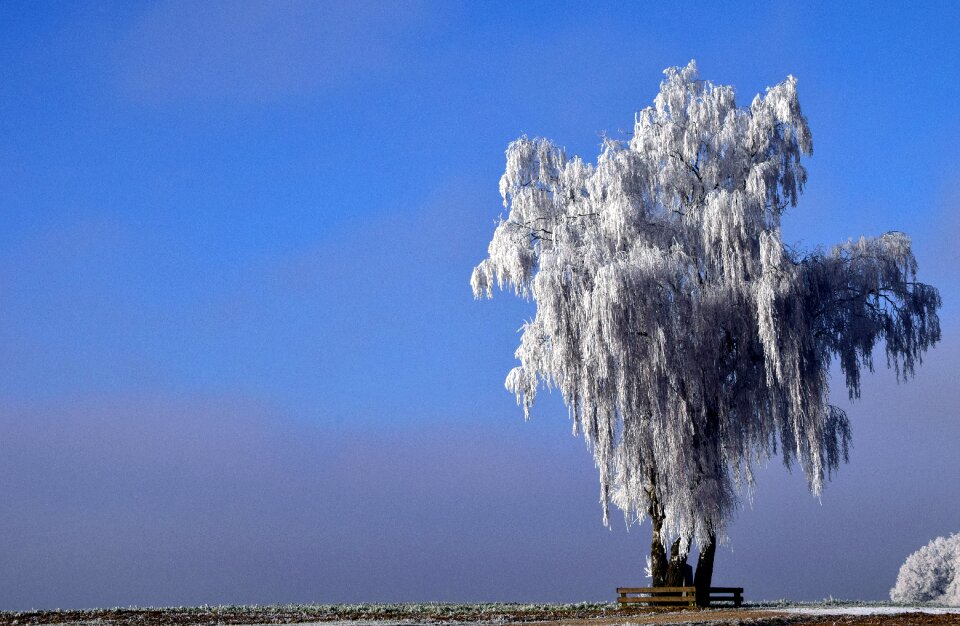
(871, 610)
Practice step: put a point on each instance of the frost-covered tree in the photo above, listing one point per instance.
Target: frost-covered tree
(688, 341)
(931, 574)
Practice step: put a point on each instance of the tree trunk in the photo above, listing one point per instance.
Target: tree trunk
(658, 553)
(666, 573)
(677, 575)
(704, 576)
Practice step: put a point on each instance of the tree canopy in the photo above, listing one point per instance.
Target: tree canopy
(688, 341)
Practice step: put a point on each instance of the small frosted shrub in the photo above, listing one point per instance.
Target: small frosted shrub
(931, 574)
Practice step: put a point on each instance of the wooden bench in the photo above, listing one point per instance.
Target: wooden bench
(682, 596)
(726, 594)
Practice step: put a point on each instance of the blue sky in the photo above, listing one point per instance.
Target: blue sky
(241, 361)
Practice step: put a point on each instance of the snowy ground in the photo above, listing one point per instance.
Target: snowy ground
(872, 610)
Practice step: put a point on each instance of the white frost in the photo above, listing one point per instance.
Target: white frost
(871, 610)
(931, 574)
(689, 343)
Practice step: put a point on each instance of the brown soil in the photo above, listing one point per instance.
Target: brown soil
(526, 615)
(435, 614)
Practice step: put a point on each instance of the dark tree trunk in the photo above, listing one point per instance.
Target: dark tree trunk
(666, 570)
(658, 554)
(704, 576)
(677, 575)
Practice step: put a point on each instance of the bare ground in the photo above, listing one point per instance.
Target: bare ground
(440, 615)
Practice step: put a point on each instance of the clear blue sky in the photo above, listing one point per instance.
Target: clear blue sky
(240, 358)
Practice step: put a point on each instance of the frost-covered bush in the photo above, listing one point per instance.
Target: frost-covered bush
(931, 574)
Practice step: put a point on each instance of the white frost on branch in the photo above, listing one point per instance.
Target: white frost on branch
(688, 342)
